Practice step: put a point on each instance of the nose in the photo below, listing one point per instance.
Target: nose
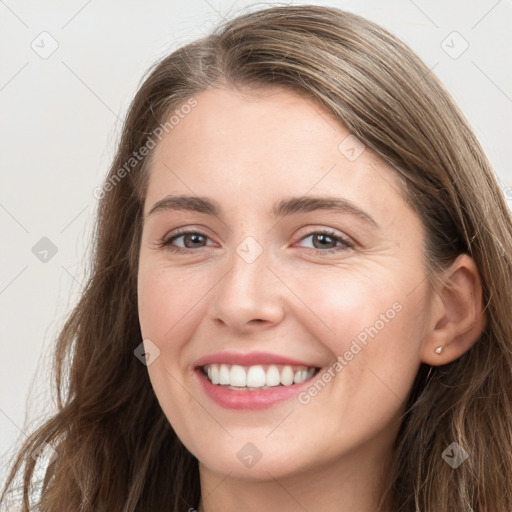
(249, 296)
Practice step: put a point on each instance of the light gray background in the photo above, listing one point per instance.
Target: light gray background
(61, 116)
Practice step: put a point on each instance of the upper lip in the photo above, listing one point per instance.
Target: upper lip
(249, 359)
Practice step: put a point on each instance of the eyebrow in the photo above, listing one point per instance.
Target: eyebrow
(285, 207)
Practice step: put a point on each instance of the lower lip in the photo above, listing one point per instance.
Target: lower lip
(250, 400)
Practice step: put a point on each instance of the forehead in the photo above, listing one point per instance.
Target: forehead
(252, 148)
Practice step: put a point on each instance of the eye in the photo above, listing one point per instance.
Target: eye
(323, 241)
(327, 241)
(187, 241)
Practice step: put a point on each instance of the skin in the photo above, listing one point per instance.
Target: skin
(248, 151)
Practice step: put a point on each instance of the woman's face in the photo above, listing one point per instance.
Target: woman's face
(290, 247)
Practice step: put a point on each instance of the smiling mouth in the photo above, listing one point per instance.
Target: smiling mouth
(257, 377)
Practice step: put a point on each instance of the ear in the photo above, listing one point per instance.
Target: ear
(457, 317)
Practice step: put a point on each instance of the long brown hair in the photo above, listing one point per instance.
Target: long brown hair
(115, 448)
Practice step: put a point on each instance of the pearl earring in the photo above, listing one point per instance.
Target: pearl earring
(439, 350)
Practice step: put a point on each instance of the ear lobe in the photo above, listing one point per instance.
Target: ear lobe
(458, 317)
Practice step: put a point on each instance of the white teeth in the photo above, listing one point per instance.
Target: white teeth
(273, 377)
(257, 376)
(215, 376)
(238, 376)
(224, 375)
(300, 376)
(287, 376)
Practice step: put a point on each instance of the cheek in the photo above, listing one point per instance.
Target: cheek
(168, 301)
(169, 305)
(371, 323)
(343, 304)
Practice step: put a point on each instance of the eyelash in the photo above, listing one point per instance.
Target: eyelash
(345, 244)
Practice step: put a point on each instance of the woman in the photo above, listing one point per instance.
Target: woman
(301, 290)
